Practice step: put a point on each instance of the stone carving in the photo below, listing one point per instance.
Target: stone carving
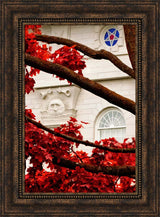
(46, 93)
(56, 106)
(119, 47)
(67, 92)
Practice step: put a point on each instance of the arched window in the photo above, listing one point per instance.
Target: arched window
(111, 123)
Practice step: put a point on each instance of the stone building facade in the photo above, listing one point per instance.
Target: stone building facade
(54, 101)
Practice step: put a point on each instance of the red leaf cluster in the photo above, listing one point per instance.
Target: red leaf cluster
(66, 56)
(29, 83)
(70, 58)
(42, 146)
(102, 157)
(33, 48)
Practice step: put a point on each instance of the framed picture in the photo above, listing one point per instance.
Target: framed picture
(79, 108)
(60, 104)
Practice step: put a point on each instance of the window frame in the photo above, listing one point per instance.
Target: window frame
(99, 118)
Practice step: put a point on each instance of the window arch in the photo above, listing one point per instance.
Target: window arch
(111, 123)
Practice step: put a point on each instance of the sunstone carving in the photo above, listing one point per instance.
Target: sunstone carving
(58, 104)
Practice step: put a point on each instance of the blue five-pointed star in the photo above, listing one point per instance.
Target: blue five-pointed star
(111, 37)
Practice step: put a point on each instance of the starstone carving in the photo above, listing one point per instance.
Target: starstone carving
(112, 39)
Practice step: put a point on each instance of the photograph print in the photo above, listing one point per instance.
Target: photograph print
(80, 95)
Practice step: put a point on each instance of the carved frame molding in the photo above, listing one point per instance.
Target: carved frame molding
(15, 14)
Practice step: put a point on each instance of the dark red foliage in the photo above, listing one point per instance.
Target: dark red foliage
(70, 58)
(42, 147)
(29, 83)
(33, 48)
(66, 56)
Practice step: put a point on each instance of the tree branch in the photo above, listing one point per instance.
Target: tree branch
(84, 142)
(83, 82)
(101, 54)
(76, 154)
(109, 170)
(130, 36)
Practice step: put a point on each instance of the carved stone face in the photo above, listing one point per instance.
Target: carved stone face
(56, 106)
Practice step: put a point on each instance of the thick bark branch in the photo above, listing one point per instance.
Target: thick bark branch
(83, 82)
(101, 54)
(84, 142)
(109, 170)
(130, 36)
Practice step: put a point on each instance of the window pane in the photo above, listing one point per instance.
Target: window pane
(118, 134)
(112, 124)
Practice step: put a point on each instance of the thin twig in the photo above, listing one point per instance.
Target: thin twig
(101, 54)
(84, 142)
(77, 155)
